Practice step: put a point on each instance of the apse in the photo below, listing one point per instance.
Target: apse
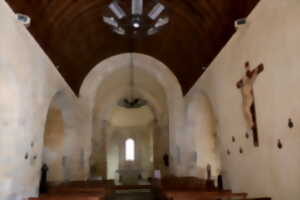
(129, 144)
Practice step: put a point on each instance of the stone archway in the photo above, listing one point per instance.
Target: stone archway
(53, 151)
(103, 130)
(162, 75)
(61, 145)
(201, 125)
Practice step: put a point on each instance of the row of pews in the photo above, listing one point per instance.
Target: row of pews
(191, 188)
(168, 188)
(78, 190)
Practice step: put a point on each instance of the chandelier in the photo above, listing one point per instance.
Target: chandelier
(136, 17)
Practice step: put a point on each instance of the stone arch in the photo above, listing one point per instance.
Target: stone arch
(63, 151)
(53, 143)
(202, 127)
(160, 138)
(154, 68)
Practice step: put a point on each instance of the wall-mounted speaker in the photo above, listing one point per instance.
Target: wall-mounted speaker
(24, 19)
(240, 23)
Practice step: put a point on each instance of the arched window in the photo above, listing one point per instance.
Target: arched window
(129, 150)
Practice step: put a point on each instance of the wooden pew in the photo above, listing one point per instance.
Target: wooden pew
(173, 183)
(199, 195)
(190, 188)
(99, 188)
(189, 183)
(79, 190)
(262, 198)
(66, 198)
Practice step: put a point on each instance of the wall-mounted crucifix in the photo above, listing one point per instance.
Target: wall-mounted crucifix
(246, 87)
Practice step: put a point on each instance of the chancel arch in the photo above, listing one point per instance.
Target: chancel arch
(152, 77)
(109, 120)
(112, 124)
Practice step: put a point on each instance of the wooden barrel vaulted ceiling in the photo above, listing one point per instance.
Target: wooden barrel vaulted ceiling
(73, 35)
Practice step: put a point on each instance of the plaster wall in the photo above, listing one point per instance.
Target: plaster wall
(271, 37)
(28, 83)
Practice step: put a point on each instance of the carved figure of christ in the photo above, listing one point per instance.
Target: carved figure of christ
(246, 86)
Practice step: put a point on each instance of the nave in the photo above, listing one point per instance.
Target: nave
(149, 100)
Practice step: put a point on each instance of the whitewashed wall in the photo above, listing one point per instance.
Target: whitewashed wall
(271, 38)
(28, 82)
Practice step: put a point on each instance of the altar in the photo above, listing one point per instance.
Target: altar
(129, 176)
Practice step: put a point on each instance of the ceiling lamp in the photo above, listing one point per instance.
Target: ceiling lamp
(139, 18)
(132, 101)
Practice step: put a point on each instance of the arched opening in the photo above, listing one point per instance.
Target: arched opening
(129, 145)
(201, 124)
(114, 124)
(62, 147)
(53, 151)
(106, 84)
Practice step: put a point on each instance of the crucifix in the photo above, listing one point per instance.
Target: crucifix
(246, 87)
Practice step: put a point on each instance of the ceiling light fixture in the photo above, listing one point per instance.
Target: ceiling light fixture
(132, 101)
(140, 18)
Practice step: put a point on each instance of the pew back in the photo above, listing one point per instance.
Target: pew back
(66, 198)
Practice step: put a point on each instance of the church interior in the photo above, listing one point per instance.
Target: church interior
(149, 99)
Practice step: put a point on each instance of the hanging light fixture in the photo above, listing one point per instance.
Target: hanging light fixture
(132, 101)
(136, 19)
